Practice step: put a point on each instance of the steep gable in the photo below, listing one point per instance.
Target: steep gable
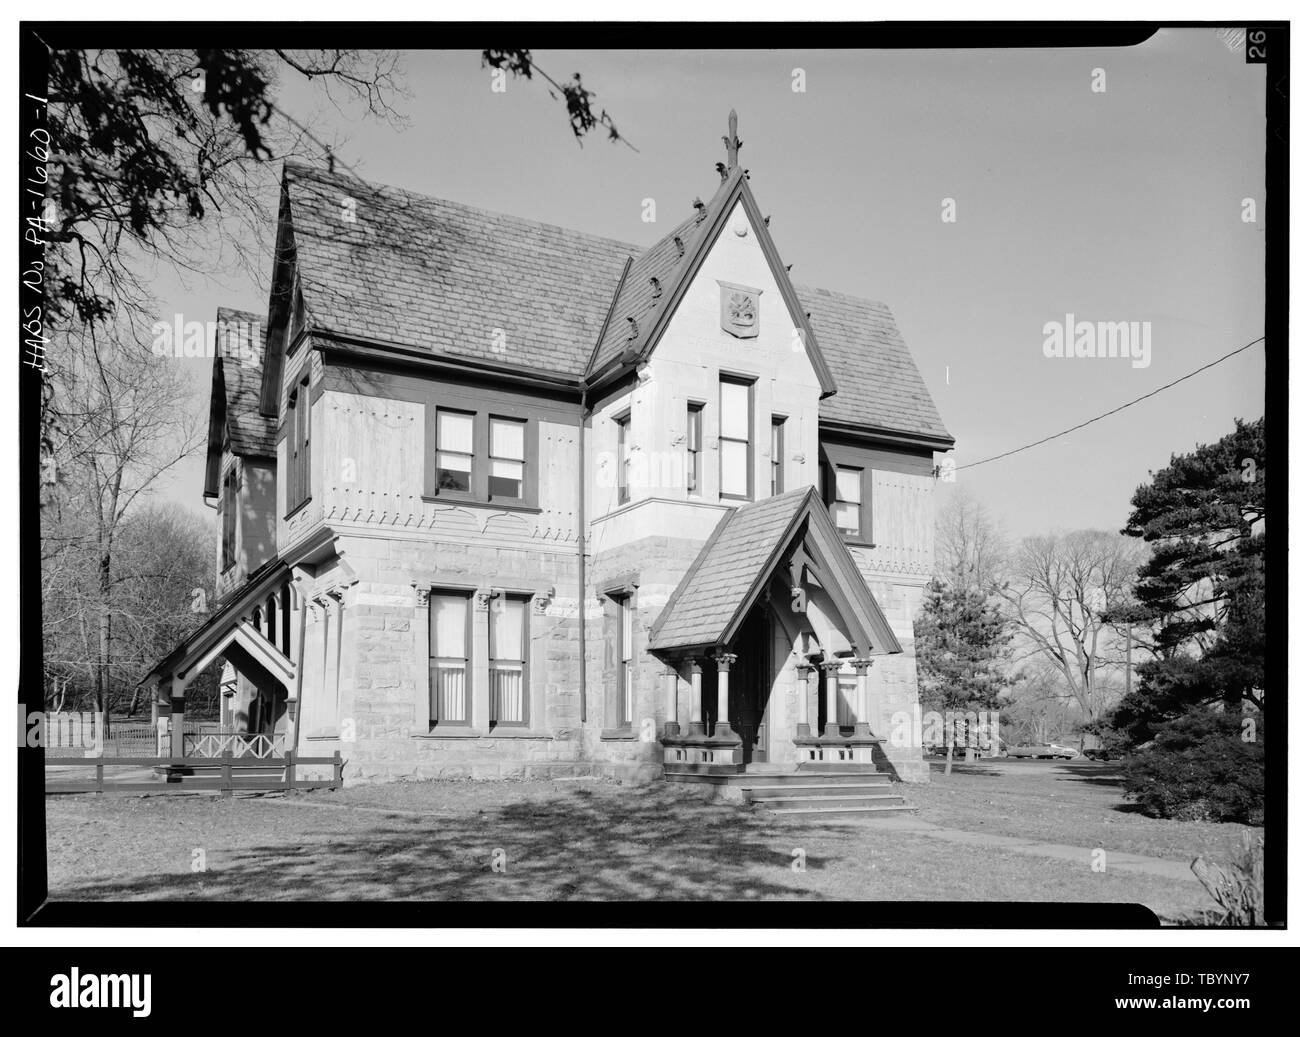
(234, 413)
(656, 312)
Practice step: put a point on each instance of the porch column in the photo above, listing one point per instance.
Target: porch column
(671, 728)
(831, 668)
(722, 729)
(861, 729)
(697, 698)
(808, 696)
(178, 725)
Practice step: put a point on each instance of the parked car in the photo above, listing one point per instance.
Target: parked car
(1048, 751)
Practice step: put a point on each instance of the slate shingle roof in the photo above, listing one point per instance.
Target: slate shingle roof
(879, 384)
(418, 271)
(241, 355)
(729, 565)
(638, 297)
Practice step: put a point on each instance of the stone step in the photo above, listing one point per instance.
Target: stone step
(786, 803)
(821, 790)
(781, 779)
(802, 780)
(821, 811)
(857, 767)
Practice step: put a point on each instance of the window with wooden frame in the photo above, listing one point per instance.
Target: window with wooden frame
(481, 453)
(624, 656)
(847, 506)
(506, 459)
(229, 516)
(735, 438)
(508, 660)
(623, 427)
(450, 631)
(778, 455)
(454, 471)
(694, 447)
(298, 446)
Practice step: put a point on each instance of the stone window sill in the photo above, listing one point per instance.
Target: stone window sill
(618, 734)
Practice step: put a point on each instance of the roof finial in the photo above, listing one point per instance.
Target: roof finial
(731, 140)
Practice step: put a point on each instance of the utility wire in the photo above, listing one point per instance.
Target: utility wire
(1107, 414)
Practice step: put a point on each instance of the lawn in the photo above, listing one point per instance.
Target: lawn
(1078, 802)
(595, 840)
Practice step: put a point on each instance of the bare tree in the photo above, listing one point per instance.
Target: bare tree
(970, 545)
(1061, 591)
(128, 421)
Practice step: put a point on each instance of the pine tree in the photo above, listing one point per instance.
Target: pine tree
(962, 644)
(1202, 590)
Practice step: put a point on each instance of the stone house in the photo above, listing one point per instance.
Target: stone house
(502, 499)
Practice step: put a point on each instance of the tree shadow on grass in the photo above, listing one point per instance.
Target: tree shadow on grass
(978, 770)
(623, 844)
(1094, 774)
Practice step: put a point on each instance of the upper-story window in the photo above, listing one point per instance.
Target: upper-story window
(478, 455)
(735, 438)
(298, 446)
(694, 447)
(847, 507)
(778, 455)
(506, 457)
(623, 427)
(229, 513)
(455, 465)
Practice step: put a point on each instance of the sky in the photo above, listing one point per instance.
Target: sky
(1122, 205)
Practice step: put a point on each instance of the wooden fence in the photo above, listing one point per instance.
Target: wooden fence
(197, 778)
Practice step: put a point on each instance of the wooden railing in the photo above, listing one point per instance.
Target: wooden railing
(239, 744)
(195, 774)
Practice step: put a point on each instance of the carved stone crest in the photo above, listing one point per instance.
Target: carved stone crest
(739, 309)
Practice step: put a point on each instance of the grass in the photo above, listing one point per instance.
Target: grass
(593, 840)
(1076, 802)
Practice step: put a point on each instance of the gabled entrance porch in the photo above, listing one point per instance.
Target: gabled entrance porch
(768, 643)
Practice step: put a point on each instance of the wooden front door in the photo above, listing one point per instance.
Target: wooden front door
(751, 686)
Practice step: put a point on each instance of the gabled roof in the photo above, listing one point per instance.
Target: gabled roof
(651, 313)
(237, 364)
(735, 565)
(641, 292)
(516, 295)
